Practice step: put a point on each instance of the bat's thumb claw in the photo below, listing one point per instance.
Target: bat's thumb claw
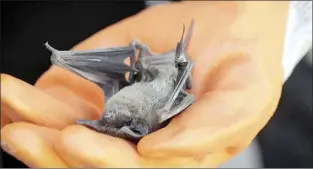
(134, 42)
(137, 44)
(50, 47)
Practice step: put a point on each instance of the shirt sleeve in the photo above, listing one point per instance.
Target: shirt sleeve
(298, 39)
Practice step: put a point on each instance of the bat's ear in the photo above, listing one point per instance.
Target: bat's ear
(179, 47)
(188, 35)
(182, 35)
(182, 44)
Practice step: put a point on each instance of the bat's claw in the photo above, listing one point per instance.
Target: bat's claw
(50, 48)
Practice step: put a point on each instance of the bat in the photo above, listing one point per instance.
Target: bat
(154, 92)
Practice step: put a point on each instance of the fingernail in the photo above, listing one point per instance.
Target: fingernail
(7, 148)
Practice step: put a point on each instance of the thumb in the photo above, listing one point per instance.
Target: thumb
(226, 118)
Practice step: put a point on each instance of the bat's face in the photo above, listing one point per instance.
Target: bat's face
(118, 120)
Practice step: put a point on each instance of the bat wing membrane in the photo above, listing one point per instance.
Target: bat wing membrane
(104, 67)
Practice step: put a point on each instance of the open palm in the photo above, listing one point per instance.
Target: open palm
(237, 79)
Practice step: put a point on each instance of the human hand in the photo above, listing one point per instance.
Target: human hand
(237, 80)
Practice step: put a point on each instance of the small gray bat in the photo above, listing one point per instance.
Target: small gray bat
(153, 94)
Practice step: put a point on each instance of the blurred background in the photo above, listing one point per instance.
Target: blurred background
(286, 141)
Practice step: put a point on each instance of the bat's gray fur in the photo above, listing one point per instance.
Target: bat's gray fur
(154, 92)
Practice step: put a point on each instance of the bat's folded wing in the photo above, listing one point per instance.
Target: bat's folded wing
(105, 67)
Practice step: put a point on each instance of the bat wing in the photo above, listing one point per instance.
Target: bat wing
(105, 67)
(179, 99)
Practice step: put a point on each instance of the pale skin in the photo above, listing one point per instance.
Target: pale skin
(237, 49)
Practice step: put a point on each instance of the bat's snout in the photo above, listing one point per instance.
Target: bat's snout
(93, 124)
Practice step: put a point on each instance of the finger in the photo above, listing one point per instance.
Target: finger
(4, 119)
(71, 88)
(76, 92)
(31, 144)
(81, 147)
(23, 102)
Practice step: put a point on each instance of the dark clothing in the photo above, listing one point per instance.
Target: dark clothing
(287, 140)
